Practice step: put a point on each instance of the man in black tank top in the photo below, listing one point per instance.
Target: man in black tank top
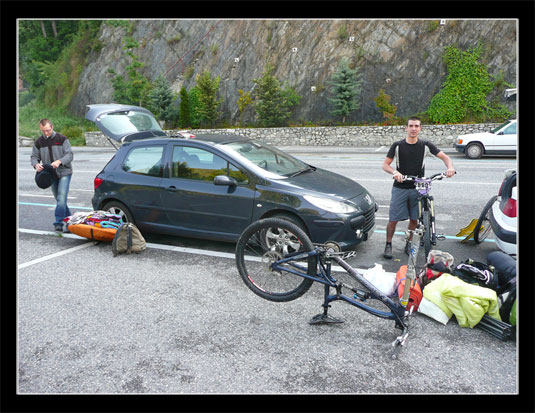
(409, 154)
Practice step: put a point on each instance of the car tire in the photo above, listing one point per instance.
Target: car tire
(474, 151)
(116, 207)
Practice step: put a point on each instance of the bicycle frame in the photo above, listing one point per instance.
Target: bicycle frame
(397, 311)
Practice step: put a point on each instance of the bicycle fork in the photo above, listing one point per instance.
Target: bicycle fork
(410, 279)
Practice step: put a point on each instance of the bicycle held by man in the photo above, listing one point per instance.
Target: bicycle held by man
(426, 210)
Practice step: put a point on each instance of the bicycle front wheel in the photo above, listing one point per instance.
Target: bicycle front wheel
(269, 240)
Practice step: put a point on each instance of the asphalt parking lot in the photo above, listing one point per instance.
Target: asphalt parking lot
(178, 320)
(172, 321)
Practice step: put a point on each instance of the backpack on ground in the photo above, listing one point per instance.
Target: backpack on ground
(438, 263)
(128, 239)
(475, 272)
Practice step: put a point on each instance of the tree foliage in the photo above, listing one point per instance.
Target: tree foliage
(273, 103)
(134, 88)
(161, 101)
(244, 101)
(36, 49)
(382, 101)
(208, 100)
(184, 109)
(346, 88)
(52, 55)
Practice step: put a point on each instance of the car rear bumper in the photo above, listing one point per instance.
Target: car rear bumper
(505, 238)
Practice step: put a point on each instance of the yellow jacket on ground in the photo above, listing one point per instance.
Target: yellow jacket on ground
(468, 302)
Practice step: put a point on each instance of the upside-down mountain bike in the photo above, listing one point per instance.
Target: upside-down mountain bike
(277, 260)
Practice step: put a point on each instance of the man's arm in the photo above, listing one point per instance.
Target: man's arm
(450, 171)
(387, 168)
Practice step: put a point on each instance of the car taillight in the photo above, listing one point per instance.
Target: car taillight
(501, 187)
(97, 182)
(510, 208)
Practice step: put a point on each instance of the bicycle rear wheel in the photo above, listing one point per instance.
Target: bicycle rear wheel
(483, 227)
(265, 242)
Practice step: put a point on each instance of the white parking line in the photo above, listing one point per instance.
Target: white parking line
(44, 196)
(56, 254)
(155, 246)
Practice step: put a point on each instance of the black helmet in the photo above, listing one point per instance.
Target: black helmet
(45, 177)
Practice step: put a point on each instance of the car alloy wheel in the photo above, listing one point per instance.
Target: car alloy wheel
(474, 151)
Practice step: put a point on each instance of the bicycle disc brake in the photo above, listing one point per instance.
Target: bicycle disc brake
(269, 258)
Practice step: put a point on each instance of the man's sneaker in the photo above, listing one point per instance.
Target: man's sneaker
(388, 251)
(58, 227)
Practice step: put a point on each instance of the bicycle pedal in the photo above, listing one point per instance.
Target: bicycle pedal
(324, 319)
(441, 237)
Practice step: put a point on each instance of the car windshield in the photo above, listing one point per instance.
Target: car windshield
(501, 126)
(127, 122)
(266, 157)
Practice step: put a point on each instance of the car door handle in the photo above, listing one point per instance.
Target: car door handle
(172, 188)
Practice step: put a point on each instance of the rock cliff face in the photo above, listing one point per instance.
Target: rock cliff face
(403, 57)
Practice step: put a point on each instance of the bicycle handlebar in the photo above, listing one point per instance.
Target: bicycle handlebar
(434, 177)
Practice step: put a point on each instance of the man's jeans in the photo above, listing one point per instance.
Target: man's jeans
(60, 189)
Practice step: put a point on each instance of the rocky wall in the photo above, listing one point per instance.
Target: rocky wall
(372, 136)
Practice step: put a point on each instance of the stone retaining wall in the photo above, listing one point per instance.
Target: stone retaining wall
(373, 136)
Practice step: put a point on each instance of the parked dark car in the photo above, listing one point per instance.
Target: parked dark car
(214, 186)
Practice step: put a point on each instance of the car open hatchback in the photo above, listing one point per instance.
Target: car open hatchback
(215, 185)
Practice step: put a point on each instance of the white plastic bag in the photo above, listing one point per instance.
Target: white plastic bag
(383, 281)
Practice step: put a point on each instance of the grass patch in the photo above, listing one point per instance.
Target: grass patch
(73, 127)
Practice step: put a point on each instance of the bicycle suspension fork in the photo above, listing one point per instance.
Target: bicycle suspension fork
(429, 206)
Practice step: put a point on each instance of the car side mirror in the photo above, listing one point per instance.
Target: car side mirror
(224, 180)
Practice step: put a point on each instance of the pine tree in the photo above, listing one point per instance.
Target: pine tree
(161, 100)
(209, 103)
(346, 88)
(185, 109)
(271, 105)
